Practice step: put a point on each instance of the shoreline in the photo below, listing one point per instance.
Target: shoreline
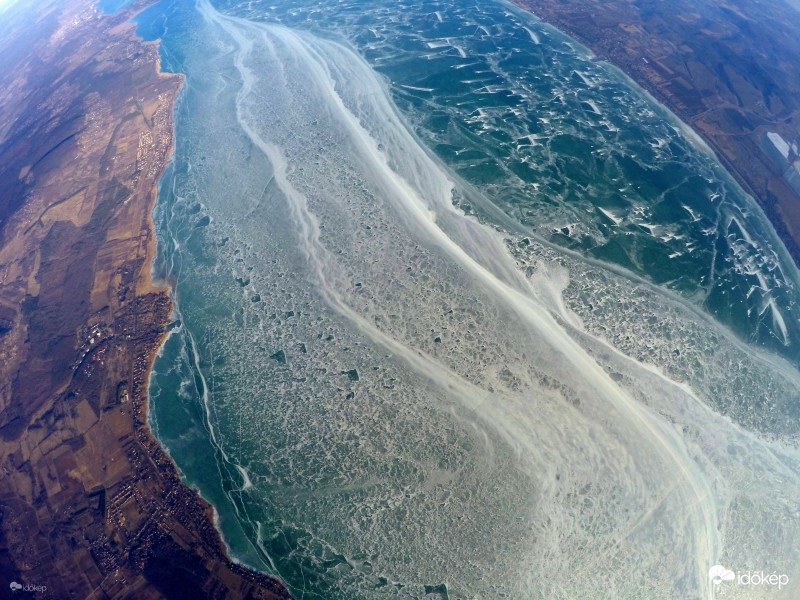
(82, 320)
(165, 286)
(617, 36)
(699, 142)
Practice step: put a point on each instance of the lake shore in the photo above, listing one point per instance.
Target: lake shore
(697, 67)
(91, 504)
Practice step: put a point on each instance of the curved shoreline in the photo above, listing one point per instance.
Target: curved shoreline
(91, 505)
(622, 39)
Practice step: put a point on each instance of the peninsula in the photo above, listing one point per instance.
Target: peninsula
(90, 504)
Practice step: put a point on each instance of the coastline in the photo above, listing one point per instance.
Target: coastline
(698, 141)
(90, 133)
(622, 39)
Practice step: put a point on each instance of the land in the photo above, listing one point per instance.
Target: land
(90, 504)
(727, 68)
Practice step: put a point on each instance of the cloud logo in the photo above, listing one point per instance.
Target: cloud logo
(718, 574)
(15, 586)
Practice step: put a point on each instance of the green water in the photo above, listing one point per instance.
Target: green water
(462, 312)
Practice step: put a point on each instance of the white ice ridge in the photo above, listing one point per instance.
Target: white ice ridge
(676, 481)
(533, 35)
